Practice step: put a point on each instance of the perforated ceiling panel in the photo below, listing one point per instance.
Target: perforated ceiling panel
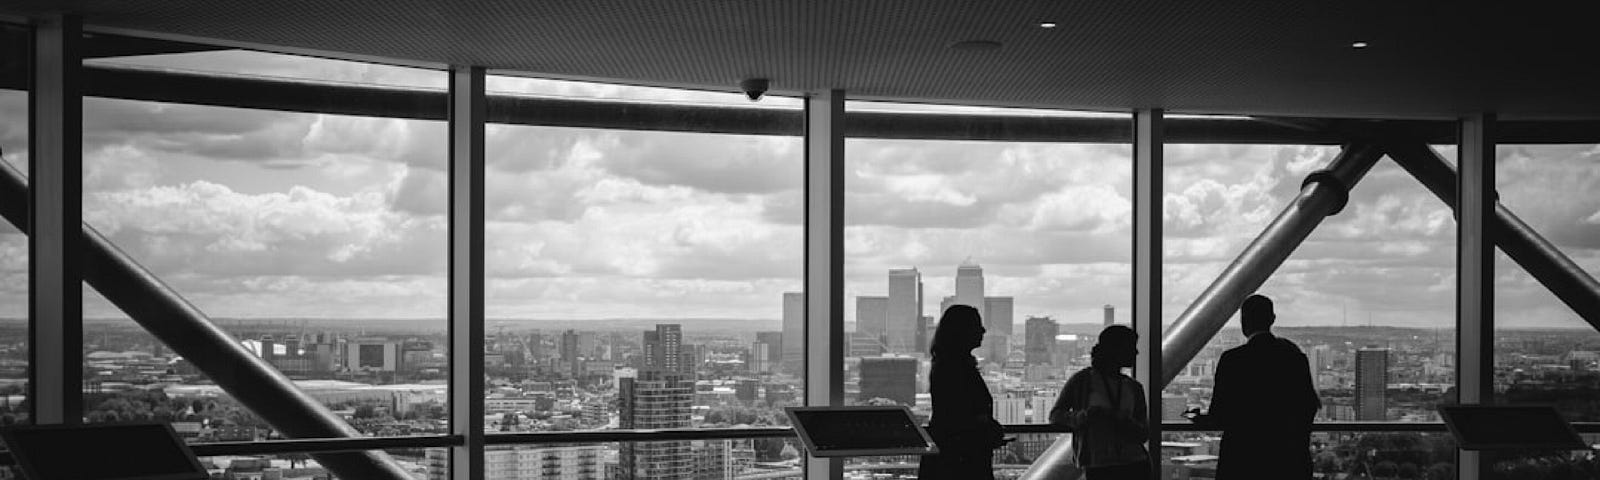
(1283, 57)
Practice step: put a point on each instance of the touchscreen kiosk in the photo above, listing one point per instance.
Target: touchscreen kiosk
(860, 431)
(128, 451)
(1510, 427)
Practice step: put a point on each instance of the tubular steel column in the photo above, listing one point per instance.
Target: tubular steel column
(55, 292)
(1537, 256)
(467, 115)
(1322, 194)
(1475, 274)
(1147, 216)
(824, 276)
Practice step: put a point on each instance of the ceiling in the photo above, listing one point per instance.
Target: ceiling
(1533, 60)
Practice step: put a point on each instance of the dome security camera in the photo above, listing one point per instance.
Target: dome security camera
(754, 88)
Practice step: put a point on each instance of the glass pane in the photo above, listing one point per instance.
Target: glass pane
(1034, 235)
(763, 458)
(421, 463)
(1368, 296)
(1407, 455)
(641, 278)
(1544, 352)
(13, 243)
(316, 241)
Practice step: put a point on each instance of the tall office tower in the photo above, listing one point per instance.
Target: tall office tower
(569, 346)
(997, 314)
(1111, 315)
(587, 342)
(904, 310)
(1041, 340)
(969, 285)
(535, 342)
(1314, 359)
(1372, 377)
(1011, 410)
(945, 303)
(872, 315)
(794, 321)
(894, 378)
(929, 326)
(664, 349)
(1042, 403)
(656, 399)
(996, 347)
(774, 341)
(760, 357)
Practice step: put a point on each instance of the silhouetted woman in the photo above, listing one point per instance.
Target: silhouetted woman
(1106, 410)
(963, 423)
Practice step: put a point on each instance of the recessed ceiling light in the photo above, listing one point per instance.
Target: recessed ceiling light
(975, 45)
(1358, 45)
(1047, 25)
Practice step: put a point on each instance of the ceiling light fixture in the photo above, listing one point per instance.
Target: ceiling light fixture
(1047, 25)
(1358, 45)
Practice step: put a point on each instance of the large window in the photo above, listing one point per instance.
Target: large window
(1034, 234)
(1368, 296)
(13, 243)
(641, 276)
(316, 241)
(1544, 352)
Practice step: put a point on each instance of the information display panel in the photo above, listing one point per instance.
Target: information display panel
(859, 431)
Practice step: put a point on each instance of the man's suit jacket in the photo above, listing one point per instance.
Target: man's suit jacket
(1265, 403)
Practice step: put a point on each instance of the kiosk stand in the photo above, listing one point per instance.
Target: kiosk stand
(860, 431)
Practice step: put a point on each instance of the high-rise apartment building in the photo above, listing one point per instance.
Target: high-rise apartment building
(1041, 339)
(997, 314)
(893, 378)
(1110, 315)
(664, 350)
(904, 310)
(793, 341)
(1041, 405)
(1372, 378)
(530, 462)
(656, 399)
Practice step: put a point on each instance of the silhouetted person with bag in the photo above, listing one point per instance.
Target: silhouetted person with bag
(1263, 402)
(1106, 410)
(963, 424)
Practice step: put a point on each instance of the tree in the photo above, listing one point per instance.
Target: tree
(1385, 469)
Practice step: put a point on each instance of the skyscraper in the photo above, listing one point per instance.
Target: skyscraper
(997, 314)
(656, 399)
(794, 320)
(969, 285)
(774, 341)
(872, 316)
(1042, 403)
(1041, 333)
(1372, 377)
(893, 378)
(663, 349)
(1111, 315)
(904, 310)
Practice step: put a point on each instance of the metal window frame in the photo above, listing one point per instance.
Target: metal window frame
(1148, 174)
(824, 262)
(55, 266)
(468, 111)
(1475, 200)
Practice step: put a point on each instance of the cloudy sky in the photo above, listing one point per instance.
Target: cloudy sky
(274, 214)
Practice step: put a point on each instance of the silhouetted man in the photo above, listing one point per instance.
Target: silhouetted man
(1263, 402)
